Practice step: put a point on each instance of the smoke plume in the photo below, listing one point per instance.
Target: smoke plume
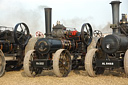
(15, 11)
(106, 29)
(78, 22)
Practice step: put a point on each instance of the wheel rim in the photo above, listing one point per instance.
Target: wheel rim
(62, 63)
(2, 64)
(21, 34)
(86, 35)
(90, 63)
(28, 67)
(126, 62)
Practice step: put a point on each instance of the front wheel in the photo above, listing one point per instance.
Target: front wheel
(29, 69)
(90, 63)
(62, 63)
(126, 62)
(2, 64)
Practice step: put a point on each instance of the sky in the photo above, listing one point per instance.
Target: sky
(71, 13)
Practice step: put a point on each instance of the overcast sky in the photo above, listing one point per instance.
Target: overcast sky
(72, 13)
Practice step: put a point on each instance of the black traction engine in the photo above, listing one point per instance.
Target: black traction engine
(12, 45)
(59, 50)
(111, 50)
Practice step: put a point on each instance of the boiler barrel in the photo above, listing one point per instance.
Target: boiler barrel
(47, 45)
(114, 43)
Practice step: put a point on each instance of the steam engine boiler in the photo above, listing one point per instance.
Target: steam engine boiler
(55, 50)
(111, 50)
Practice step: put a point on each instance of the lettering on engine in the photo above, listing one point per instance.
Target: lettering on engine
(39, 63)
(108, 63)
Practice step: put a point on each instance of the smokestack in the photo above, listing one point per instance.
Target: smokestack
(115, 15)
(48, 21)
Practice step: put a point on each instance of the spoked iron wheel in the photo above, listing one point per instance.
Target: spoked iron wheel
(2, 64)
(97, 33)
(21, 34)
(90, 63)
(62, 63)
(86, 34)
(28, 67)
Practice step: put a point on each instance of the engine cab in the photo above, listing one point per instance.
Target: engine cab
(60, 31)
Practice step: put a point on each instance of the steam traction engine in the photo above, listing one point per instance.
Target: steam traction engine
(111, 50)
(12, 45)
(55, 51)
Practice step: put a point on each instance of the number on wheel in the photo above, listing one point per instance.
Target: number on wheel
(62, 63)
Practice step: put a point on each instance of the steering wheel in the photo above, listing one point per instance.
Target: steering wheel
(21, 34)
(86, 35)
(97, 33)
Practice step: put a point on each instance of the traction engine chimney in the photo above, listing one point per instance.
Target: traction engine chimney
(115, 15)
(48, 21)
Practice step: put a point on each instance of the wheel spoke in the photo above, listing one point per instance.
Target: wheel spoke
(65, 64)
(87, 29)
(67, 58)
(66, 69)
(24, 31)
(61, 63)
(64, 56)
(21, 28)
(61, 60)
(20, 37)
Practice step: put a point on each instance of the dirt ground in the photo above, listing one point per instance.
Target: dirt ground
(76, 77)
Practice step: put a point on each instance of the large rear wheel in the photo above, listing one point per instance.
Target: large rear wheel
(62, 63)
